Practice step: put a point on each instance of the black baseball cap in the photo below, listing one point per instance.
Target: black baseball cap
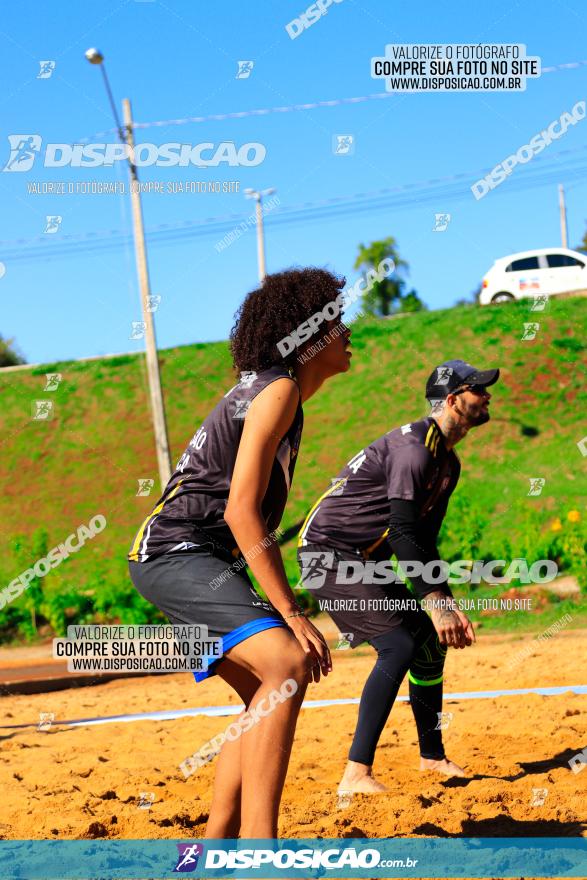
(447, 377)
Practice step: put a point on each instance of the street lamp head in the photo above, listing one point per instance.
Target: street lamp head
(94, 56)
(269, 192)
(250, 193)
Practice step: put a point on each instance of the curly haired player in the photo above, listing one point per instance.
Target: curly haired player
(221, 505)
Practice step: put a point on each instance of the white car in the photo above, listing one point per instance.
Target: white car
(529, 273)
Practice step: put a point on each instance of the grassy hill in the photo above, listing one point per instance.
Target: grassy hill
(57, 474)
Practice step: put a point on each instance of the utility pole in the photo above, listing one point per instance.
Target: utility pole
(258, 196)
(157, 407)
(126, 136)
(563, 214)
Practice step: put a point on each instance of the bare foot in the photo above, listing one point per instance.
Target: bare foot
(358, 778)
(444, 766)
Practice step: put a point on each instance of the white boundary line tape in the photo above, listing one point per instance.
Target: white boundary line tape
(172, 714)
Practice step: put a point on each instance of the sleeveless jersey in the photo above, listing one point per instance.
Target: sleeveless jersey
(191, 509)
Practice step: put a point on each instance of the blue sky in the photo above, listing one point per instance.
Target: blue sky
(176, 59)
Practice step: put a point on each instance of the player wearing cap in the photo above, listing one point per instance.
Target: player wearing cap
(391, 497)
(222, 506)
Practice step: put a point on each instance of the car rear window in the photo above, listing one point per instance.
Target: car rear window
(523, 265)
(557, 261)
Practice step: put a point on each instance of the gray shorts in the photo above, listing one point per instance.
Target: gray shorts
(203, 590)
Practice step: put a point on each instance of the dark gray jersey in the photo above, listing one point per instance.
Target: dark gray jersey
(193, 503)
(410, 463)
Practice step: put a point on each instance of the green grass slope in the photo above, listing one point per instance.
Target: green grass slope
(56, 474)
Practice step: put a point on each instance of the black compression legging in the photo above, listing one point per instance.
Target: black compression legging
(412, 646)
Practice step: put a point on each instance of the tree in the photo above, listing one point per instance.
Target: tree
(387, 296)
(8, 356)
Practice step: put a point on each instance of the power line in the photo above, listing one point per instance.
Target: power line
(452, 188)
(290, 108)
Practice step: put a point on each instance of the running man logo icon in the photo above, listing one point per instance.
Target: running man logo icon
(314, 566)
(23, 151)
(53, 223)
(42, 410)
(444, 719)
(153, 303)
(247, 378)
(344, 641)
(538, 797)
(245, 68)
(441, 222)
(539, 302)
(53, 381)
(138, 330)
(530, 331)
(241, 408)
(343, 144)
(46, 719)
(145, 486)
(146, 799)
(189, 853)
(582, 446)
(443, 375)
(338, 485)
(536, 485)
(47, 68)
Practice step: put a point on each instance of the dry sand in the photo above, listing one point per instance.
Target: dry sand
(86, 782)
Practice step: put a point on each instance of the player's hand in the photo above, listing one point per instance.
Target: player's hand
(453, 628)
(313, 644)
(468, 628)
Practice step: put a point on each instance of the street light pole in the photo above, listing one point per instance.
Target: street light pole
(153, 374)
(157, 406)
(258, 196)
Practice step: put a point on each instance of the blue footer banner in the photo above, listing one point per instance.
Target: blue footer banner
(366, 858)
